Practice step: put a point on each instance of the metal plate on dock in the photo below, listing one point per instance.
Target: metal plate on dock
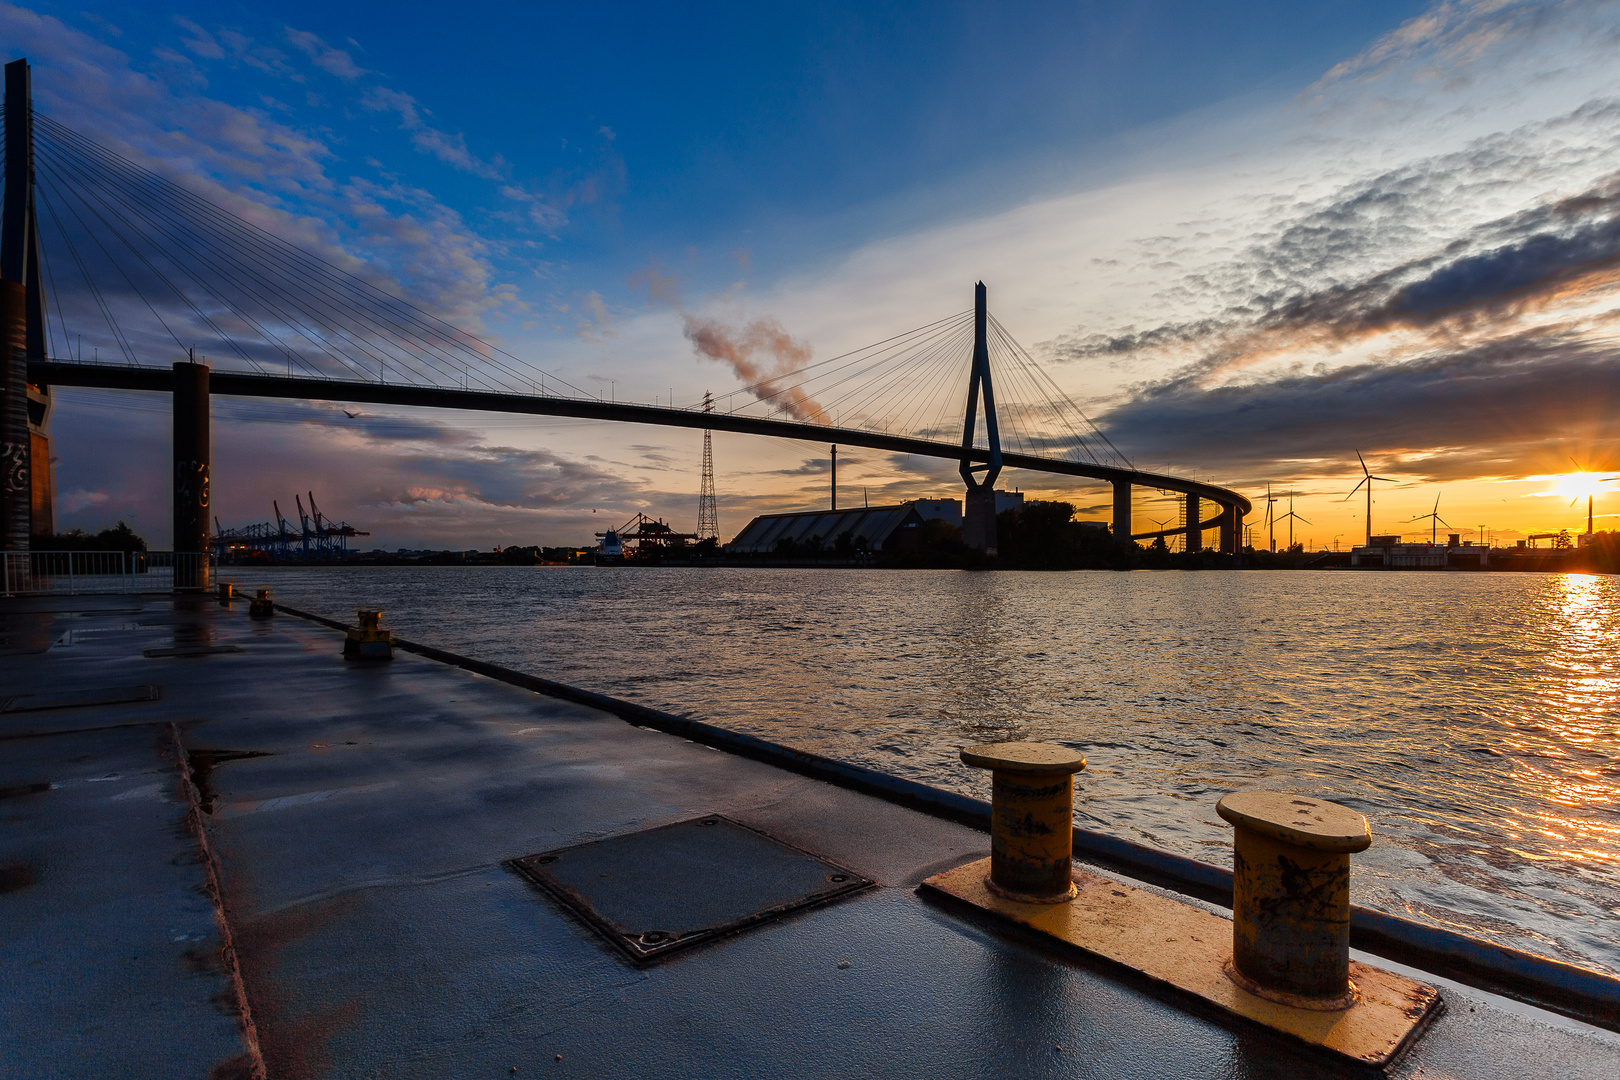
(654, 892)
(190, 650)
(1184, 949)
(81, 699)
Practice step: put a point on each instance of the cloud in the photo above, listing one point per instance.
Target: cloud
(597, 323)
(450, 149)
(1512, 406)
(1399, 260)
(662, 286)
(332, 61)
(79, 499)
(199, 41)
(409, 478)
(543, 213)
(1448, 37)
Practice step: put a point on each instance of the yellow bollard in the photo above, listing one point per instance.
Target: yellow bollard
(261, 606)
(1291, 897)
(368, 641)
(1031, 818)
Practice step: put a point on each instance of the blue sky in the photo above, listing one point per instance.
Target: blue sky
(1189, 212)
(688, 133)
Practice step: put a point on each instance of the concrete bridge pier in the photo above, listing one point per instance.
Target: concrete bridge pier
(16, 487)
(1229, 530)
(979, 519)
(1195, 535)
(193, 455)
(1122, 513)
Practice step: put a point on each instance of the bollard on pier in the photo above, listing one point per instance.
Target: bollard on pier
(1031, 818)
(261, 606)
(368, 641)
(1291, 897)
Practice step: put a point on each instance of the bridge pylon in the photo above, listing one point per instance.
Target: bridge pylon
(27, 496)
(979, 519)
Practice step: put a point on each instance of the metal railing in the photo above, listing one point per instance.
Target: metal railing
(162, 571)
(74, 573)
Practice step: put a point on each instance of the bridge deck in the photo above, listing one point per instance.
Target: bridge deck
(379, 933)
(129, 377)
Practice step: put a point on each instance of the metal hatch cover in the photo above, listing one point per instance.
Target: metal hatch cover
(81, 698)
(661, 890)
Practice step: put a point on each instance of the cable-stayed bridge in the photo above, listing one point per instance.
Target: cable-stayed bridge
(111, 270)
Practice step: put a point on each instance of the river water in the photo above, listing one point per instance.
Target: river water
(1474, 718)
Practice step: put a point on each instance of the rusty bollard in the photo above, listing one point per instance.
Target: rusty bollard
(368, 641)
(1031, 818)
(261, 606)
(1291, 897)
(227, 593)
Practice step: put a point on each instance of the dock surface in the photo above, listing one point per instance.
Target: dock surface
(348, 830)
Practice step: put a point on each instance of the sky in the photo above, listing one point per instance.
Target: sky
(1248, 240)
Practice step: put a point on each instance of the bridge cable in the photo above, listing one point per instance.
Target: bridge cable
(915, 353)
(270, 337)
(1041, 374)
(319, 275)
(144, 231)
(331, 330)
(907, 382)
(278, 252)
(119, 267)
(852, 358)
(909, 407)
(859, 398)
(134, 227)
(95, 291)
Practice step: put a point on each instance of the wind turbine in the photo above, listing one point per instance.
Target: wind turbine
(1289, 517)
(1271, 522)
(1161, 525)
(1437, 519)
(1367, 478)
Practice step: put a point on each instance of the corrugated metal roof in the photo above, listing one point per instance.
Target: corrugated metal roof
(875, 523)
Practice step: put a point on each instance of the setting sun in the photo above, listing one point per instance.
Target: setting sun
(1579, 485)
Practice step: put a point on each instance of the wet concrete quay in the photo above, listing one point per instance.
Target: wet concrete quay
(199, 811)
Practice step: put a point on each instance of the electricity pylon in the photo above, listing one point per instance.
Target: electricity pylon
(708, 511)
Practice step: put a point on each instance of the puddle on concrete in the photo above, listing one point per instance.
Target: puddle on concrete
(16, 877)
(203, 763)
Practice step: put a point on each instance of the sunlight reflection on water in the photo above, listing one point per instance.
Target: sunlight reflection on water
(1474, 718)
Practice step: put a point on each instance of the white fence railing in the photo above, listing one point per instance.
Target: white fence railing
(72, 573)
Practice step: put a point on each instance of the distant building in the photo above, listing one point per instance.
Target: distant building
(869, 528)
(950, 510)
(947, 510)
(1388, 553)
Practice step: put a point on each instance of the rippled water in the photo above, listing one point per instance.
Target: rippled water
(1474, 718)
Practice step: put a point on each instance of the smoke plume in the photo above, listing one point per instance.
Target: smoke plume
(762, 354)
